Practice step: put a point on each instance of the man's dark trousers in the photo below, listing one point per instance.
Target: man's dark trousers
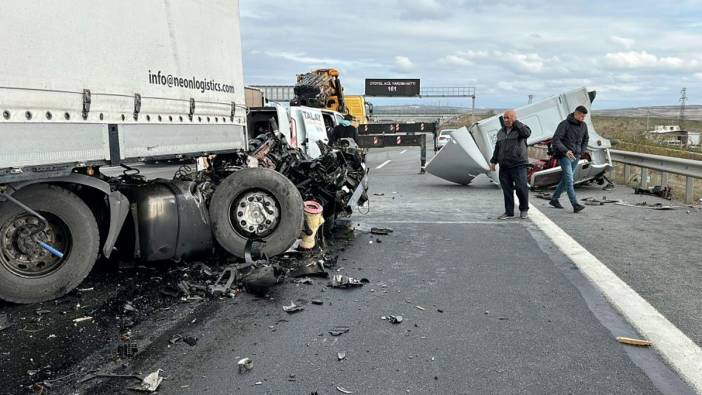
(511, 179)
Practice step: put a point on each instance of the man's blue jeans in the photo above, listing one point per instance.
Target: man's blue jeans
(567, 171)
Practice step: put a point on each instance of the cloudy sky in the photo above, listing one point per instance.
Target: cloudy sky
(635, 53)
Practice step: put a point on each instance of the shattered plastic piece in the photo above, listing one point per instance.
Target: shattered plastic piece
(341, 281)
(395, 319)
(175, 339)
(343, 390)
(339, 330)
(224, 282)
(381, 231)
(634, 342)
(127, 350)
(318, 302)
(129, 308)
(314, 266)
(245, 364)
(82, 319)
(293, 308)
(341, 355)
(420, 308)
(261, 279)
(150, 382)
(4, 322)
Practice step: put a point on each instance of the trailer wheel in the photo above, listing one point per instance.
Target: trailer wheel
(259, 204)
(30, 274)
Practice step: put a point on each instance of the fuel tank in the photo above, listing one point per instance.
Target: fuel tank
(171, 221)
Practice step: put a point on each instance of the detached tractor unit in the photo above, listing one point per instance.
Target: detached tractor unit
(113, 83)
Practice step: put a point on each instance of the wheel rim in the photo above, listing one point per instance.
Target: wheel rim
(23, 256)
(255, 214)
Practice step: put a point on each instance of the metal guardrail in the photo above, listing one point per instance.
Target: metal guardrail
(691, 169)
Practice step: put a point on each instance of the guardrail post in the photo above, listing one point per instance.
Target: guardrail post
(627, 173)
(689, 189)
(664, 179)
(644, 178)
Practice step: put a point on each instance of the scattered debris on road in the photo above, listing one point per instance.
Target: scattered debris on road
(343, 390)
(339, 330)
(82, 319)
(592, 201)
(245, 364)
(150, 383)
(4, 322)
(293, 308)
(655, 206)
(341, 355)
(393, 319)
(634, 342)
(342, 281)
(659, 191)
(381, 231)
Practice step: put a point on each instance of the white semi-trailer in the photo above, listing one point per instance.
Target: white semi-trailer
(92, 83)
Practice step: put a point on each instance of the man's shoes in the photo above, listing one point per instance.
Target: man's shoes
(505, 216)
(524, 215)
(555, 203)
(578, 208)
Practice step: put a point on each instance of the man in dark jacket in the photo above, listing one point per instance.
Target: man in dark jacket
(511, 154)
(569, 143)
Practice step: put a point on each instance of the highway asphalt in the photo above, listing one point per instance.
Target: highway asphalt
(488, 306)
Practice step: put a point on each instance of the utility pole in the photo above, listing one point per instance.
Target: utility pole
(681, 118)
(531, 99)
(683, 103)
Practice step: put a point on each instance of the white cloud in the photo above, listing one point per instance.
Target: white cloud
(532, 63)
(623, 41)
(645, 60)
(698, 76)
(403, 63)
(454, 60)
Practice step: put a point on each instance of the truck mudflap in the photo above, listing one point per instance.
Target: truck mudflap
(460, 160)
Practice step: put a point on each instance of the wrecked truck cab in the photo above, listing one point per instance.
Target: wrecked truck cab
(543, 117)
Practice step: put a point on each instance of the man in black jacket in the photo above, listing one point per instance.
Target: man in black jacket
(511, 154)
(569, 143)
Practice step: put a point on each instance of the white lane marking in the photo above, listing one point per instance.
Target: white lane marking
(448, 222)
(681, 353)
(384, 164)
(403, 151)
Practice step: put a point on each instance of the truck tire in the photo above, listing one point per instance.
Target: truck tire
(259, 204)
(28, 273)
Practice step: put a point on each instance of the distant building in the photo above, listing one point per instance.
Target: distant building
(673, 135)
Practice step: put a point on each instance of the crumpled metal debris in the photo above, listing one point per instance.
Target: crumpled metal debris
(341, 355)
(381, 231)
(127, 350)
(4, 322)
(151, 382)
(293, 308)
(655, 206)
(245, 364)
(330, 179)
(660, 191)
(224, 281)
(591, 201)
(393, 319)
(339, 330)
(343, 390)
(313, 266)
(342, 281)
